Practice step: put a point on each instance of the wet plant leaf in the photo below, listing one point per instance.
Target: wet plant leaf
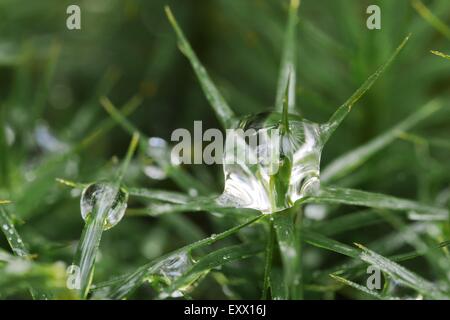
(357, 286)
(432, 19)
(18, 247)
(342, 112)
(122, 286)
(212, 261)
(349, 161)
(223, 112)
(401, 274)
(372, 200)
(105, 202)
(289, 246)
(287, 73)
(440, 54)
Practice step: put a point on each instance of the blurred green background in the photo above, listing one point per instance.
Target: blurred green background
(51, 80)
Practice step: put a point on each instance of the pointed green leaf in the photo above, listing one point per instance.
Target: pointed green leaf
(122, 286)
(287, 75)
(92, 232)
(355, 158)
(433, 20)
(440, 54)
(214, 260)
(372, 200)
(342, 112)
(318, 240)
(223, 112)
(401, 274)
(182, 178)
(357, 286)
(289, 247)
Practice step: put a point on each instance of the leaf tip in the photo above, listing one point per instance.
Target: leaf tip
(295, 4)
(359, 245)
(66, 182)
(170, 15)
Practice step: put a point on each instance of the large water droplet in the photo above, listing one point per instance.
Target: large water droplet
(104, 195)
(175, 266)
(286, 168)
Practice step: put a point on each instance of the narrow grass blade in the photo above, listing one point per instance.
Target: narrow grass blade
(318, 240)
(223, 112)
(359, 287)
(18, 247)
(440, 54)
(278, 287)
(353, 159)
(372, 200)
(347, 222)
(20, 274)
(95, 222)
(86, 115)
(289, 247)
(287, 74)
(150, 194)
(329, 127)
(12, 236)
(88, 245)
(433, 20)
(122, 286)
(401, 274)
(164, 202)
(203, 204)
(128, 108)
(214, 260)
(268, 261)
(159, 195)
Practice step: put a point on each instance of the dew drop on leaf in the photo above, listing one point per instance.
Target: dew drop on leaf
(175, 266)
(154, 172)
(104, 195)
(286, 168)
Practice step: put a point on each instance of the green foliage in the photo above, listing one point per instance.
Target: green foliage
(384, 177)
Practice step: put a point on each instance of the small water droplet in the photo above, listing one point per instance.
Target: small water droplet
(47, 141)
(5, 227)
(10, 135)
(213, 236)
(193, 192)
(155, 172)
(157, 147)
(104, 195)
